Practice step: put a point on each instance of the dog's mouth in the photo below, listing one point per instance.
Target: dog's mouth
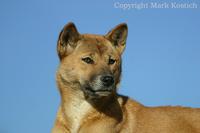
(97, 93)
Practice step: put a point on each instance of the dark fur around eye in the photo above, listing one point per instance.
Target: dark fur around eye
(88, 60)
(111, 61)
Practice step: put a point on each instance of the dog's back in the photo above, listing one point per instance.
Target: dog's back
(168, 120)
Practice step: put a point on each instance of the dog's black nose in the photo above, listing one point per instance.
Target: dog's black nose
(107, 80)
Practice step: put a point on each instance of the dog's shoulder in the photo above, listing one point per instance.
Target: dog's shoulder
(129, 104)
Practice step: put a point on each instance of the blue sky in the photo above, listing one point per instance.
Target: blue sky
(160, 64)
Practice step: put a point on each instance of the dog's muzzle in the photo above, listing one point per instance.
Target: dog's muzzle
(107, 80)
(102, 85)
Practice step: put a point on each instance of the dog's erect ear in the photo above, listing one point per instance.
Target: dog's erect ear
(67, 40)
(118, 36)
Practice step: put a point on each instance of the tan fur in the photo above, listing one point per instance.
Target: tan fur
(79, 112)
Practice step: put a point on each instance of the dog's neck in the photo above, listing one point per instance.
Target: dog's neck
(76, 109)
(73, 108)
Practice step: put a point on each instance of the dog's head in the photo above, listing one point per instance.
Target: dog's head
(91, 63)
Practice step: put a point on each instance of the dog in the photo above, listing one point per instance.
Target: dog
(88, 77)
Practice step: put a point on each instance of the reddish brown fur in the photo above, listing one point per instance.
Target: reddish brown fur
(111, 113)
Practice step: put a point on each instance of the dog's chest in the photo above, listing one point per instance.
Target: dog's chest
(77, 111)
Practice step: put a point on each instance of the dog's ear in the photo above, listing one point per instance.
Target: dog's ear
(118, 36)
(67, 40)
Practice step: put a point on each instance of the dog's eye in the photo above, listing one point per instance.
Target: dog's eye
(88, 60)
(111, 61)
